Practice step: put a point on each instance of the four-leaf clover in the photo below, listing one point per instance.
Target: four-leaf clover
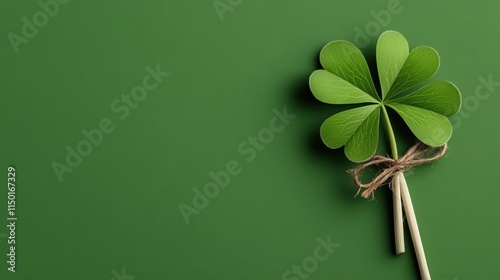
(346, 79)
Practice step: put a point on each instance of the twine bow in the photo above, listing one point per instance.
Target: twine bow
(416, 155)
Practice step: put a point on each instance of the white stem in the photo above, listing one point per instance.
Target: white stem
(398, 214)
(415, 234)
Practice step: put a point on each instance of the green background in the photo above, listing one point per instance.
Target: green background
(119, 207)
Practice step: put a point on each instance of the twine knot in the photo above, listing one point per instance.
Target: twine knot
(416, 155)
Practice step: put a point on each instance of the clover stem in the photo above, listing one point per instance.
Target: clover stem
(392, 138)
(397, 207)
(415, 233)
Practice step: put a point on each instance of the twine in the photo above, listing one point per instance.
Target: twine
(416, 155)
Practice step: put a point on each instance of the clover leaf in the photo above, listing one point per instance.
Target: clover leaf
(346, 79)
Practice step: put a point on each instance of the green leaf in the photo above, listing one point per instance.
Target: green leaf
(392, 51)
(430, 127)
(421, 64)
(364, 141)
(329, 88)
(441, 97)
(358, 128)
(346, 61)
